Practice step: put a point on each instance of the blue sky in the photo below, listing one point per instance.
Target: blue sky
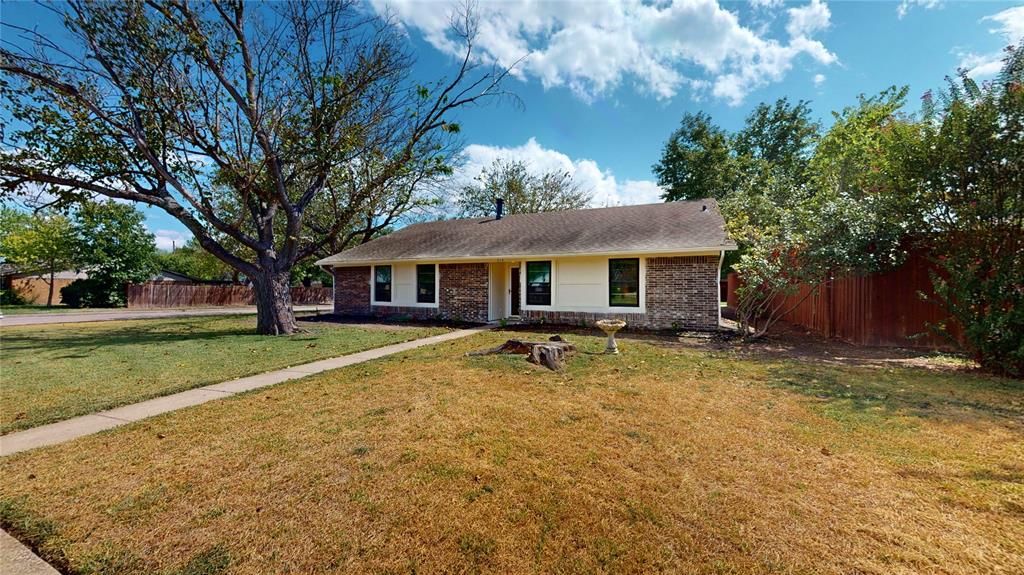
(603, 85)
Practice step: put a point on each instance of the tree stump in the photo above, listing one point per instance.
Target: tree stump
(551, 354)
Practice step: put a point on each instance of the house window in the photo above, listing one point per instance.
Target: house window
(624, 282)
(538, 283)
(426, 274)
(382, 283)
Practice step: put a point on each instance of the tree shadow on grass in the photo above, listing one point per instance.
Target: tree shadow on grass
(78, 341)
(887, 394)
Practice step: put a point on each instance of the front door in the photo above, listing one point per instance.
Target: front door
(515, 292)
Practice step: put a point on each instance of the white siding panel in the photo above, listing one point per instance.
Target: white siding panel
(403, 290)
(403, 286)
(497, 273)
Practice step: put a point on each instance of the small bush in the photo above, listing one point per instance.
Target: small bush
(92, 292)
(11, 297)
(983, 292)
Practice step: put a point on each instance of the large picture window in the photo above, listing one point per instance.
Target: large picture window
(382, 283)
(624, 282)
(426, 292)
(538, 283)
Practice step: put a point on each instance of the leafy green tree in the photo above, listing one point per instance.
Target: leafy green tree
(307, 272)
(859, 175)
(524, 192)
(37, 242)
(781, 135)
(971, 197)
(697, 161)
(113, 246)
(192, 260)
(275, 125)
(805, 221)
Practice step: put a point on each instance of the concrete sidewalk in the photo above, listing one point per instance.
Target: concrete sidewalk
(16, 559)
(69, 429)
(124, 314)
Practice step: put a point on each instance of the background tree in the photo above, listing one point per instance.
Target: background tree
(271, 124)
(113, 246)
(40, 242)
(782, 135)
(970, 193)
(702, 160)
(697, 161)
(524, 191)
(803, 221)
(192, 260)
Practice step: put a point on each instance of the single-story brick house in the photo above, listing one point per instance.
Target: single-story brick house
(656, 266)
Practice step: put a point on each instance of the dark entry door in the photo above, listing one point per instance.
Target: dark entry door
(515, 291)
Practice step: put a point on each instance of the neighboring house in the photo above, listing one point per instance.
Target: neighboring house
(656, 266)
(34, 287)
(171, 277)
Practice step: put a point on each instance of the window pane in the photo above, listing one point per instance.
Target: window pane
(624, 282)
(382, 283)
(425, 275)
(538, 283)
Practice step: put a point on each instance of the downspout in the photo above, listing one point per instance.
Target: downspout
(718, 286)
(334, 287)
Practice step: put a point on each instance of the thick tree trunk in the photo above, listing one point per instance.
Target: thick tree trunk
(274, 315)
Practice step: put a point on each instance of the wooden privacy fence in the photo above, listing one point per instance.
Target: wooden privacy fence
(151, 295)
(883, 309)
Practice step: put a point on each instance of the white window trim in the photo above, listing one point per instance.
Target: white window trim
(416, 287)
(641, 286)
(414, 303)
(373, 285)
(522, 288)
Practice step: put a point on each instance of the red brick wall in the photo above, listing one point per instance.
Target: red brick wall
(352, 291)
(683, 292)
(463, 294)
(464, 291)
(680, 293)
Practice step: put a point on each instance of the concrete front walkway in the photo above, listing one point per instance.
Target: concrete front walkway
(16, 559)
(69, 429)
(122, 314)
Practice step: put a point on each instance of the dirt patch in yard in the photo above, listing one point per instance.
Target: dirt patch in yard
(791, 342)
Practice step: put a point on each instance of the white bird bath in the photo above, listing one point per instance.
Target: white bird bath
(609, 327)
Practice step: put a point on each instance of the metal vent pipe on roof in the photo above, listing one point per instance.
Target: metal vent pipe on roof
(499, 208)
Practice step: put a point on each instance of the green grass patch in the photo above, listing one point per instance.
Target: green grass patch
(54, 372)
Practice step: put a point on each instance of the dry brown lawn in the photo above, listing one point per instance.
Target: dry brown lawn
(660, 459)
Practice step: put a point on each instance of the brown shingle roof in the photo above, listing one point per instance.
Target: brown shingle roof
(651, 228)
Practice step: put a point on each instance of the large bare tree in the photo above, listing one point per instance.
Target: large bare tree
(274, 132)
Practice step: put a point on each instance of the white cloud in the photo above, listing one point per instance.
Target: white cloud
(1009, 25)
(819, 79)
(169, 239)
(808, 19)
(905, 5)
(662, 48)
(606, 189)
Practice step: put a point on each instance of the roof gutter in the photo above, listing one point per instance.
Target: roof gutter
(516, 257)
